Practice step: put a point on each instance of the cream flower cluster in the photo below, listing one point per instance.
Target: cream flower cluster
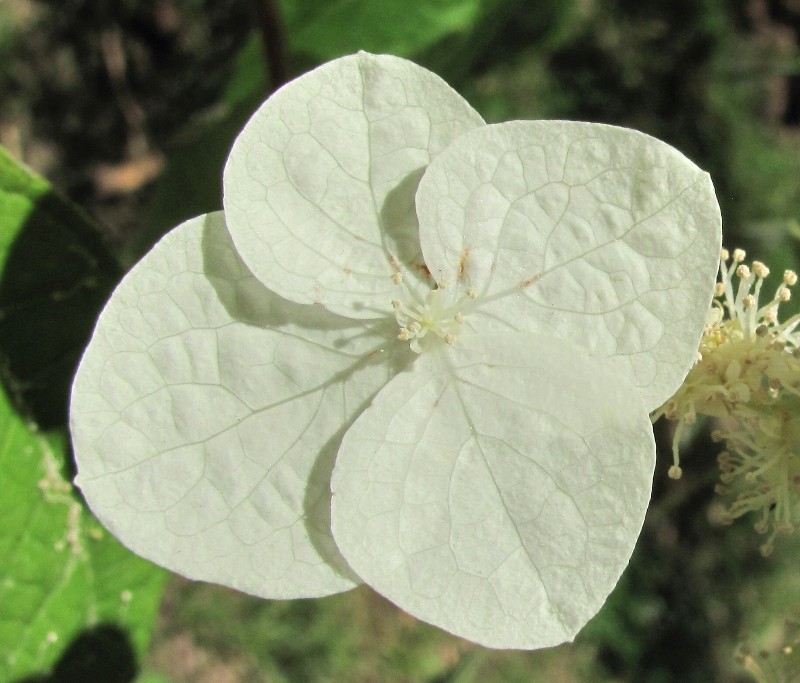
(748, 378)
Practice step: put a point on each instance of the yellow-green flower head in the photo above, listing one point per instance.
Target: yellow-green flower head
(748, 377)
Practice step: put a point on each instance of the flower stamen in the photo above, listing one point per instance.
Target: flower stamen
(434, 313)
(748, 377)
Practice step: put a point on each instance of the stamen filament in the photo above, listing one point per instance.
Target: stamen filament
(748, 375)
(416, 317)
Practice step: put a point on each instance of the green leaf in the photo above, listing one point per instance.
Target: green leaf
(61, 572)
(68, 591)
(332, 29)
(249, 76)
(55, 275)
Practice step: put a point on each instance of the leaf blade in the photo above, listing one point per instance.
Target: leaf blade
(61, 574)
(332, 29)
(55, 274)
(61, 577)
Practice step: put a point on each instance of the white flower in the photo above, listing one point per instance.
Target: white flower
(415, 351)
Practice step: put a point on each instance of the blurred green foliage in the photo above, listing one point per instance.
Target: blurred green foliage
(325, 30)
(704, 75)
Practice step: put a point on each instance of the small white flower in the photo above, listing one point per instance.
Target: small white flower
(415, 351)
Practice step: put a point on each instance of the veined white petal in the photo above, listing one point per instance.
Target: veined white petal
(600, 235)
(206, 414)
(320, 184)
(498, 490)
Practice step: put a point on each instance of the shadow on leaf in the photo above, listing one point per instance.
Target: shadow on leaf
(102, 654)
(56, 277)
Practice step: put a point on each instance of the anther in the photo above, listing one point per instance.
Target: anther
(739, 255)
(719, 289)
(743, 271)
(397, 278)
(760, 269)
(724, 254)
(472, 293)
(789, 277)
(430, 317)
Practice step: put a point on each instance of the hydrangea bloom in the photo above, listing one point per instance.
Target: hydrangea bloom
(415, 350)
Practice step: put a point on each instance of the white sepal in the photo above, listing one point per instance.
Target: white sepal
(496, 489)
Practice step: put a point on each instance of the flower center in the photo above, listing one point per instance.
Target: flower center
(423, 321)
